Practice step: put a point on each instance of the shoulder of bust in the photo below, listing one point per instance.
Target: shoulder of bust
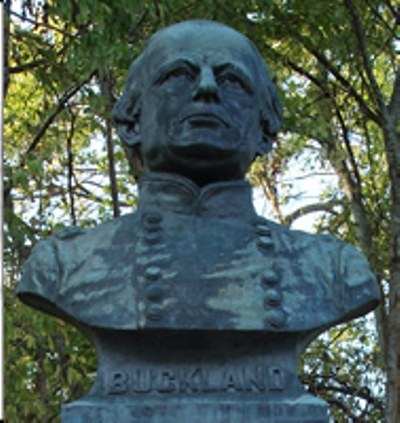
(65, 249)
(39, 274)
(69, 232)
(338, 267)
(294, 239)
(106, 228)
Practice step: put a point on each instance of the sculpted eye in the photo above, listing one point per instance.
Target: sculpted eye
(182, 72)
(177, 73)
(231, 80)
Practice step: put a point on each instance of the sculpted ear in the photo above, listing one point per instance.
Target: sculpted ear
(265, 144)
(127, 121)
(270, 119)
(129, 131)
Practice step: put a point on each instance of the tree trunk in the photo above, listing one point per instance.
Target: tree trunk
(6, 46)
(106, 90)
(392, 338)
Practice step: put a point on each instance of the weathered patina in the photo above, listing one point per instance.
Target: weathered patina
(199, 309)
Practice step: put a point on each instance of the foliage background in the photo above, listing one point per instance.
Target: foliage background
(336, 66)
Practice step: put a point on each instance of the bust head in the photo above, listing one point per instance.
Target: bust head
(199, 102)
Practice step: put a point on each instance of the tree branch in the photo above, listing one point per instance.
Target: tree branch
(36, 23)
(375, 12)
(270, 192)
(320, 84)
(133, 36)
(300, 70)
(85, 193)
(106, 90)
(310, 208)
(347, 144)
(6, 51)
(371, 114)
(345, 388)
(360, 37)
(61, 104)
(395, 11)
(352, 191)
(347, 85)
(394, 103)
(71, 167)
(27, 66)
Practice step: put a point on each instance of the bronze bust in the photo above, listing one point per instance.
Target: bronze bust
(198, 107)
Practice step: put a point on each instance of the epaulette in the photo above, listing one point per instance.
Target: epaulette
(70, 232)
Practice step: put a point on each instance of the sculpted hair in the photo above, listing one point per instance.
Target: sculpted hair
(126, 112)
(270, 103)
(127, 109)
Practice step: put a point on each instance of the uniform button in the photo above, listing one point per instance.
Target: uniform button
(154, 292)
(152, 218)
(155, 312)
(258, 221)
(153, 273)
(273, 297)
(152, 227)
(153, 237)
(265, 242)
(269, 278)
(263, 229)
(276, 318)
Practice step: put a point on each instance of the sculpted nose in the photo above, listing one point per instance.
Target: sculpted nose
(207, 87)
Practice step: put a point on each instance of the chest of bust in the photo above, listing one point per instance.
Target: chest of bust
(182, 271)
(202, 272)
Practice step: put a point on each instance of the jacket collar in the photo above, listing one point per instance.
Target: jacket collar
(168, 192)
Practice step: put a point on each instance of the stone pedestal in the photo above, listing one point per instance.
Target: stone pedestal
(201, 412)
(196, 377)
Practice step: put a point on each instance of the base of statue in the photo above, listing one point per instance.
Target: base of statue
(305, 410)
(197, 377)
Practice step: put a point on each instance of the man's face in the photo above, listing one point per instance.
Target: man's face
(200, 114)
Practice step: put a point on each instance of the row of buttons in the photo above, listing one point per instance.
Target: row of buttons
(154, 291)
(152, 228)
(273, 297)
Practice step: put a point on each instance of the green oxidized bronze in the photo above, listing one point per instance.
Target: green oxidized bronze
(199, 309)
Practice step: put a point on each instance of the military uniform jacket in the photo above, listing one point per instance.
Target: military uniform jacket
(192, 258)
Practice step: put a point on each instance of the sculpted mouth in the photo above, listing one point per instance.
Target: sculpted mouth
(209, 120)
